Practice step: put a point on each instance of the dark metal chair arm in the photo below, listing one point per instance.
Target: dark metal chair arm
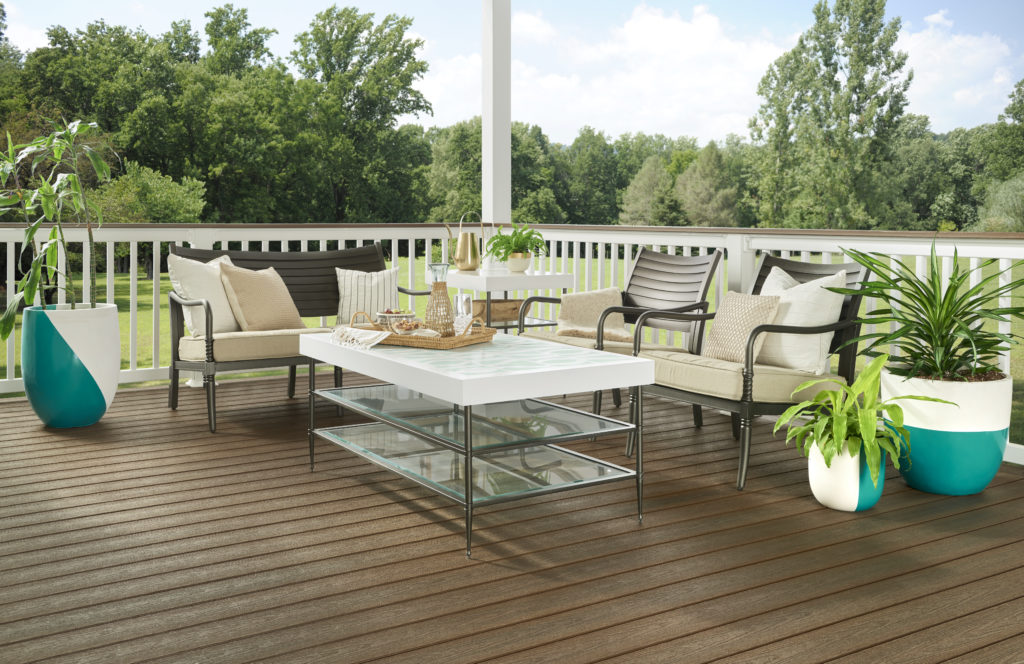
(177, 300)
(748, 359)
(678, 314)
(525, 307)
(409, 291)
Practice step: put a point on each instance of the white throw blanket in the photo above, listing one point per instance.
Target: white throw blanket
(353, 337)
(580, 312)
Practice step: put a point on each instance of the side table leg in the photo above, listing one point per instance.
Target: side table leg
(467, 414)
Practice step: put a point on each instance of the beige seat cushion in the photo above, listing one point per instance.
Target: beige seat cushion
(259, 299)
(721, 378)
(620, 347)
(229, 346)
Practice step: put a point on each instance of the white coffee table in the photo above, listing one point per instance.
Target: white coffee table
(443, 410)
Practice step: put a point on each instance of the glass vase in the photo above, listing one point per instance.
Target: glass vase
(439, 315)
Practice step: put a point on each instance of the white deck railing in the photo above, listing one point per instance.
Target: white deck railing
(572, 248)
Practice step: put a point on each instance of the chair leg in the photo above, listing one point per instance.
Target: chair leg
(735, 425)
(172, 393)
(211, 401)
(291, 381)
(745, 433)
(616, 397)
(698, 416)
(597, 402)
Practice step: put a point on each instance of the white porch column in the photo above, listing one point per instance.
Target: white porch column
(496, 185)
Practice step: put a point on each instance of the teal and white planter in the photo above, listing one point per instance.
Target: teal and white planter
(846, 484)
(70, 362)
(954, 450)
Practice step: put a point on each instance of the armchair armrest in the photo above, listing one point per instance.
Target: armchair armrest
(525, 307)
(177, 302)
(748, 358)
(678, 313)
(409, 291)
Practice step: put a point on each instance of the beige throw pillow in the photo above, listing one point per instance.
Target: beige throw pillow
(259, 299)
(580, 312)
(807, 305)
(195, 280)
(735, 318)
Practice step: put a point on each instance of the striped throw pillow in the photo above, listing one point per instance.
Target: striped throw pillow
(371, 292)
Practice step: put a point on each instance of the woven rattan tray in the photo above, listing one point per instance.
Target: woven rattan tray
(474, 334)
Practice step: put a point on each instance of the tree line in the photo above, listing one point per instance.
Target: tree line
(234, 133)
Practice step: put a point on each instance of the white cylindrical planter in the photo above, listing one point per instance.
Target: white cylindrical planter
(519, 262)
(71, 362)
(846, 484)
(954, 450)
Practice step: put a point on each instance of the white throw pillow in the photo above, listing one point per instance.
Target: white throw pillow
(370, 292)
(195, 280)
(807, 305)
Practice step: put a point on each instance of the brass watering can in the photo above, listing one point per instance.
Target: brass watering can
(466, 252)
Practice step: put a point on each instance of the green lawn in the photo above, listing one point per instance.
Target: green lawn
(144, 327)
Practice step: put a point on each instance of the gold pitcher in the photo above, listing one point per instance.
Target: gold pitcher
(466, 254)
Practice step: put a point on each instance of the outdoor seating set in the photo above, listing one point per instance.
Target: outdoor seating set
(246, 310)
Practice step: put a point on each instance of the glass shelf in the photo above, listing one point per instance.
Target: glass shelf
(498, 474)
(497, 425)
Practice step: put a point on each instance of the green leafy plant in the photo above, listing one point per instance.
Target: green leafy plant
(937, 325)
(521, 240)
(54, 193)
(851, 416)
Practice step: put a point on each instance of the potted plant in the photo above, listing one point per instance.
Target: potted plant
(70, 353)
(946, 344)
(518, 247)
(847, 435)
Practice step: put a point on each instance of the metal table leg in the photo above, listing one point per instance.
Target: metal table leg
(467, 414)
(312, 411)
(636, 394)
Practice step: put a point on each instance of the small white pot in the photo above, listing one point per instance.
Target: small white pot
(846, 484)
(519, 262)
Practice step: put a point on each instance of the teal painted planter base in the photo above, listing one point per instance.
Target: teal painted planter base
(70, 362)
(846, 484)
(953, 463)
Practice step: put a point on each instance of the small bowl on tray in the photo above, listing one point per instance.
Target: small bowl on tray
(406, 326)
(387, 318)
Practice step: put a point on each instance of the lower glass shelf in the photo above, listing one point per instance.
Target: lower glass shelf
(498, 475)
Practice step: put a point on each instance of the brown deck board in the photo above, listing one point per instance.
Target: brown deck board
(161, 542)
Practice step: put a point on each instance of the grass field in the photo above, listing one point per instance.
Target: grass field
(144, 328)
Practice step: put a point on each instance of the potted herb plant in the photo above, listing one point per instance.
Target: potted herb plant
(846, 436)
(70, 353)
(517, 248)
(946, 342)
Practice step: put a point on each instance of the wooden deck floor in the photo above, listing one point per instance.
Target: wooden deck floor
(146, 539)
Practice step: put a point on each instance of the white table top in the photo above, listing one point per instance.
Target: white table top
(507, 368)
(509, 281)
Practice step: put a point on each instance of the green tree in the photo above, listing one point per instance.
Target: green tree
(831, 106)
(235, 47)
(1004, 207)
(587, 179)
(704, 191)
(643, 202)
(141, 195)
(365, 74)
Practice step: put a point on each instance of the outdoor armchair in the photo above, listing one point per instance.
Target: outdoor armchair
(747, 389)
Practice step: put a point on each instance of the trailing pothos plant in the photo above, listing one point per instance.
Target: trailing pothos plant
(943, 329)
(41, 181)
(851, 417)
(522, 240)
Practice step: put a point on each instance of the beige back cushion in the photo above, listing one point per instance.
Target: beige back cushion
(259, 299)
(195, 280)
(735, 318)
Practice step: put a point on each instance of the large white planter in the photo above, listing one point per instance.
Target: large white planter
(846, 484)
(954, 450)
(70, 360)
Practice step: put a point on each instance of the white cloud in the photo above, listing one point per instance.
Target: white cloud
(453, 87)
(21, 35)
(656, 73)
(960, 80)
(532, 28)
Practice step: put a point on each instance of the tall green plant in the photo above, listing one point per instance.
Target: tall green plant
(937, 325)
(53, 193)
(851, 416)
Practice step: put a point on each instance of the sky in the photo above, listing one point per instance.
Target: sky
(675, 68)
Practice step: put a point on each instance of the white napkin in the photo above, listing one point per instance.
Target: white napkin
(352, 337)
